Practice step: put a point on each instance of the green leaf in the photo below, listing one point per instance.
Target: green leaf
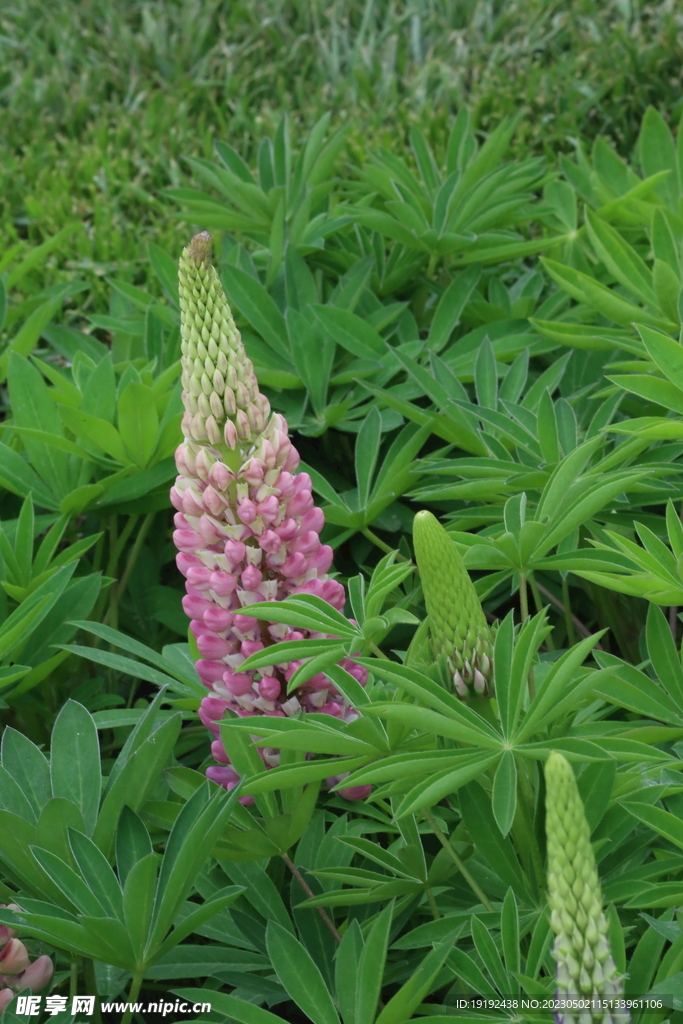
(493, 847)
(133, 843)
(370, 970)
(663, 654)
(451, 304)
(229, 1006)
(26, 338)
(97, 873)
(138, 902)
(189, 845)
(135, 781)
(658, 153)
(28, 766)
(351, 332)
(299, 975)
(256, 305)
(75, 761)
(621, 259)
(402, 1005)
(138, 422)
(95, 430)
(504, 795)
(33, 407)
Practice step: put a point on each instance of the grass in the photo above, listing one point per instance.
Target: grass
(101, 101)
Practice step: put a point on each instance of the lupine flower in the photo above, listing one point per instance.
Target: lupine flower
(16, 970)
(585, 966)
(247, 528)
(457, 624)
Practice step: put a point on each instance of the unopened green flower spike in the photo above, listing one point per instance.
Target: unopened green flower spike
(220, 391)
(458, 626)
(585, 966)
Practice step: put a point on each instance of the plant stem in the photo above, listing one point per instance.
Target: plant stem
(568, 617)
(539, 608)
(90, 981)
(118, 591)
(566, 608)
(133, 994)
(73, 979)
(526, 808)
(523, 598)
(445, 842)
(327, 920)
(375, 649)
(382, 546)
(432, 903)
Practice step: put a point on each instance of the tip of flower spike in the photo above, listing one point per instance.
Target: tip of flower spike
(200, 248)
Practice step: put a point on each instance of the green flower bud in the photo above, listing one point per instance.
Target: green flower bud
(458, 626)
(224, 407)
(585, 966)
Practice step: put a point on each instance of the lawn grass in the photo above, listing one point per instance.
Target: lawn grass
(101, 101)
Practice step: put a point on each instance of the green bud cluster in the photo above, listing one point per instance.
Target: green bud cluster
(581, 951)
(221, 393)
(458, 626)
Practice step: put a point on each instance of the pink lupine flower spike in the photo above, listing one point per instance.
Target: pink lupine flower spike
(247, 528)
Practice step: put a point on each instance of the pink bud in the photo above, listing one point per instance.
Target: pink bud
(252, 472)
(251, 578)
(211, 710)
(292, 461)
(38, 974)
(209, 532)
(333, 593)
(184, 561)
(195, 606)
(269, 541)
(268, 454)
(230, 434)
(295, 565)
(246, 510)
(218, 752)
(191, 507)
(13, 957)
(355, 792)
(238, 683)
(321, 559)
(269, 688)
(6, 997)
(268, 509)
(180, 522)
(200, 578)
(220, 476)
(225, 777)
(176, 499)
(249, 647)
(313, 520)
(285, 484)
(307, 543)
(331, 708)
(217, 619)
(244, 623)
(197, 627)
(213, 502)
(301, 503)
(212, 646)
(235, 552)
(187, 540)
(223, 583)
(287, 530)
(210, 671)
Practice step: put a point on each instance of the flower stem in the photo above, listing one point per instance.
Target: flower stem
(327, 920)
(445, 842)
(133, 994)
(378, 542)
(432, 903)
(523, 598)
(539, 608)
